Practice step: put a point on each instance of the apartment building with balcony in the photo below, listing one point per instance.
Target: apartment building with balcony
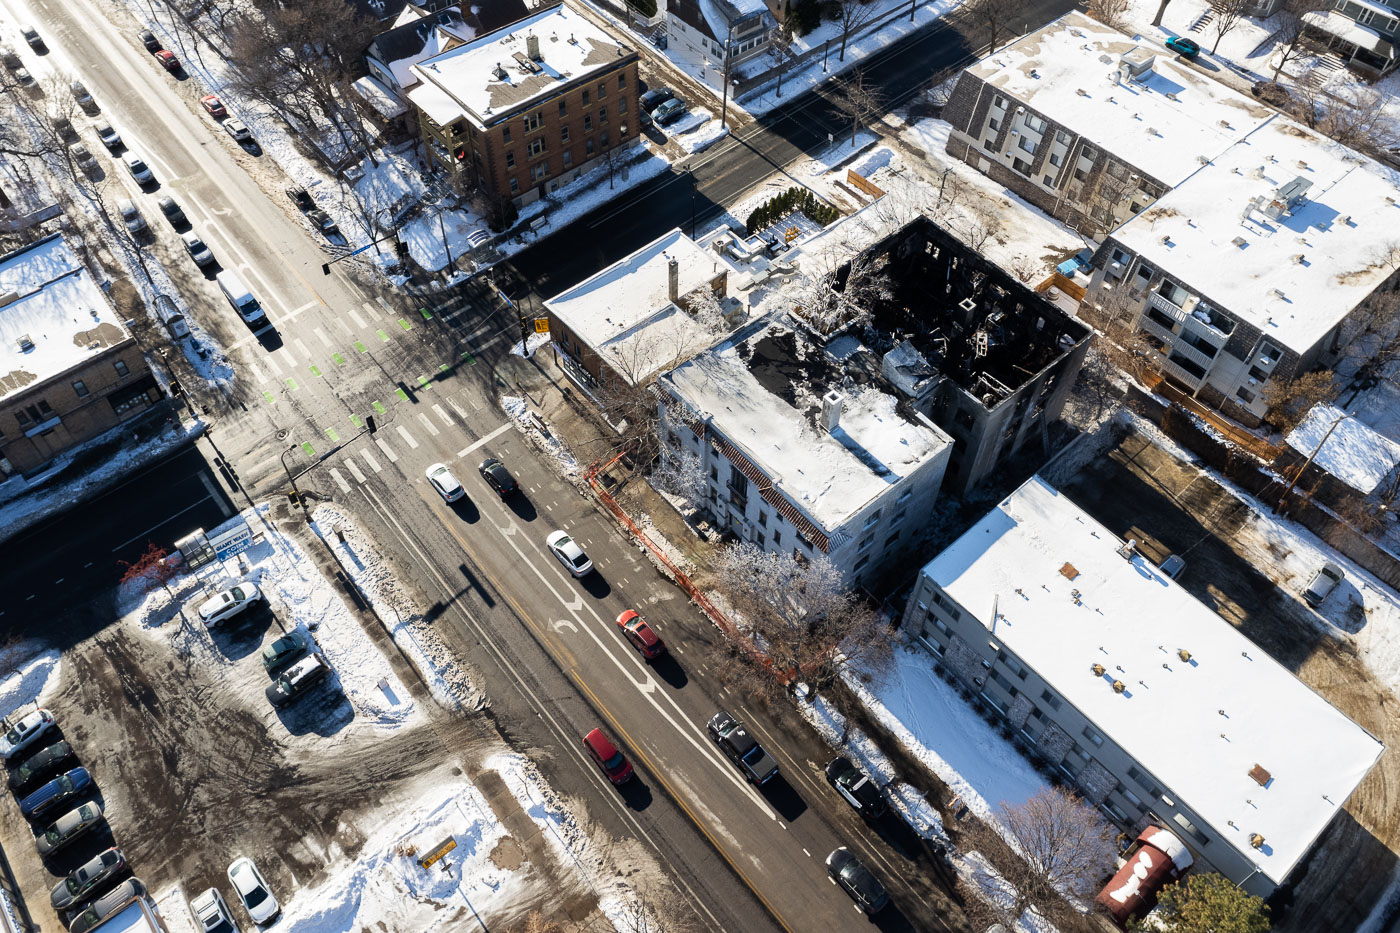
(523, 111)
(1159, 711)
(1264, 265)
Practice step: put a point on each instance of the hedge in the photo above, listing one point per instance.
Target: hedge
(781, 205)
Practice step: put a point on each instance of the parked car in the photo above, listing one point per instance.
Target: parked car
(31, 35)
(568, 552)
(88, 879)
(41, 764)
(855, 785)
(846, 871)
(1182, 46)
(669, 112)
(447, 486)
(741, 748)
(167, 60)
(1173, 565)
(285, 650)
(61, 790)
(214, 106)
(228, 603)
(606, 756)
(25, 732)
(138, 169)
(23, 76)
(63, 126)
(82, 158)
(1323, 582)
(80, 94)
(635, 629)
(497, 477)
(238, 131)
(149, 40)
(67, 827)
(651, 100)
(8, 56)
(172, 211)
(211, 913)
(301, 198)
(200, 253)
(131, 216)
(252, 890)
(106, 905)
(110, 137)
(297, 679)
(323, 222)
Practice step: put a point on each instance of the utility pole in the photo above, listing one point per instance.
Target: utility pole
(293, 480)
(442, 228)
(724, 76)
(1306, 463)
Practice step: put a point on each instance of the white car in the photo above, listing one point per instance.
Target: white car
(22, 733)
(197, 250)
(228, 603)
(251, 888)
(131, 216)
(138, 169)
(211, 913)
(569, 554)
(238, 130)
(445, 483)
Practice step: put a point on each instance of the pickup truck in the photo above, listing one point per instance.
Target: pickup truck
(741, 748)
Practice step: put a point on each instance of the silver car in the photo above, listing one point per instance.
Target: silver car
(211, 913)
(138, 168)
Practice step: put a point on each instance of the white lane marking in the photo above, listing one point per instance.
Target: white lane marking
(306, 354)
(354, 470)
(393, 458)
(443, 415)
(487, 439)
(373, 463)
(458, 409)
(273, 365)
(339, 480)
(370, 309)
(355, 316)
(326, 341)
(385, 305)
(286, 351)
(258, 373)
(408, 438)
(343, 326)
(432, 428)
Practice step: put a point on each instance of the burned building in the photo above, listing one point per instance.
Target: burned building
(976, 351)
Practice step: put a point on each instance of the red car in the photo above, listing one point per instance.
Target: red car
(167, 60)
(640, 635)
(606, 756)
(211, 103)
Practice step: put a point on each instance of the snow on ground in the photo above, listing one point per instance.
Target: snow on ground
(31, 676)
(449, 682)
(541, 804)
(533, 343)
(537, 432)
(989, 884)
(841, 150)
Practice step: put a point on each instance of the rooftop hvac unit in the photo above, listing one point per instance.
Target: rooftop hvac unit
(1172, 96)
(1276, 293)
(1166, 240)
(1240, 241)
(1298, 258)
(1081, 92)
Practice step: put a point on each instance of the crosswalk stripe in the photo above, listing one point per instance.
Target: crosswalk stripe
(432, 428)
(322, 335)
(393, 458)
(306, 354)
(354, 470)
(272, 365)
(457, 408)
(443, 415)
(373, 463)
(343, 326)
(385, 305)
(355, 316)
(408, 438)
(258, 373)
(339, 480)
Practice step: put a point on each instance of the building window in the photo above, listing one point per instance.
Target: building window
(1027, 144)
(1062, 136)
(533, 122)
(762, 518)
(897, 518)
(1244, 395)
(759, 538)
(1190, 828)
(1129, 796)
(80, 387)
(892, 539)
(1051, 700)
(1049, 181)
(1012, 665)
(1144, 782)
(539, 172)
(1089, 152)
(1034, 123)
(122, 372)
(603, 114)
(862, 562)
(777, 538)
(536, 148)
(510, 160)
(602, 89)
(563, 108)
(872, 518)
(866, 542)
(568, 158)
(1056, 158)
(586, 98)
(1092, 736)
(514, 186)
(714, 474)
(993, 124)
(505, 134)
(603, 140)
(999, 102)
(622, 132)
(588, 122)
(621, 81)
(802, 540)
(622, 105)
(564, 134)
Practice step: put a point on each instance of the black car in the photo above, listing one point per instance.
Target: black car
(497, 477)
(172, 211)
(864, 888)
(323, 222)
(284, 651)
(301, 198)
(41, 764)
(652, 99)
(298, 679)
(743, 749)
(149, 40)
(31, 35)
(860, 792)
(87, 880)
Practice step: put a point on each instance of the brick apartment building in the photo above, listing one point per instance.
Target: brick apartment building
(523, 111)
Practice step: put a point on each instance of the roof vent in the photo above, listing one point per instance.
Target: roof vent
(1119, 686)
(1257, 841)
(831, 410)
(500, 72)
(1098, 670)
(25, 344)
(1183, 654)
(1172, 96)
(1239, 241)
(1260, 776)
(1204, 160)
(1276, 293)
(1226, 124)
(1298, 258)
(1344, 220)
(1081, 92)
(1302, 164)
(532, 47)
(1128, 549)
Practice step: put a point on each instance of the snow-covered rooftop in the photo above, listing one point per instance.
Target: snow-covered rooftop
(464, 81)
(1351, 451)
(625, 311)
(1159, 122)
(1294, 277)
(1068, 600)
(57, 312)
(742, 384)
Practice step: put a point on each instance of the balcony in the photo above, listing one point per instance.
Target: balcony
(1183, 349)
(1180, 375)
(1167, 307)
(1155, 328)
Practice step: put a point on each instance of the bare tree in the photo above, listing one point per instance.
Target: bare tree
(808, 624)
(153, 567)
(853, 14)
(837, 293)
(1354, 115)
(856, 99)
(1292, 38)
(1227, 16)
(996, 16)
(1161, 11)
(1290, 400)
(1109, 12)
(780, 47)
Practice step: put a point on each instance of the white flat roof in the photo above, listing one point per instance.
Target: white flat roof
(1135, 120)
(463, 81)
(1133, 620)
(1190, 232)
(829, 476)
(60, 310)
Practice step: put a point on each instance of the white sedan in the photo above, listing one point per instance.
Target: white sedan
(569, 554)
(445, 483)
(22, 733)
(228, 603)
(251, 888)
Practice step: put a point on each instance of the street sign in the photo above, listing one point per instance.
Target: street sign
(437, 853)
(541, 325)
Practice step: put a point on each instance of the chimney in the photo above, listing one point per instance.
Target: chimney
(831, 410)
(673, 280)
(532, 46)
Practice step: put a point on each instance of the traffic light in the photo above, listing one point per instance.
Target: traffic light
(369, 423)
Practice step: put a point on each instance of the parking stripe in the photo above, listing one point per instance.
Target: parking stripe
(355, 316)
(427, 423)
(354, 470)
(393, 458)
(339, 480)
(458, 409)
(302, 348)
(373, 463)
(321, 335)
(444, 416)
(408, 438)
(272, 365)
(370, 309)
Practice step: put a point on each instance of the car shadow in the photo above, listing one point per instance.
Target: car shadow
(784, 798)
(596, 585)
(81, 850)
(635, 794)
(466, 510)
(269, 338)
(898, 835)
(324, 711)
(669, 669)
(243, 634)
(523, 508)
(891, 919)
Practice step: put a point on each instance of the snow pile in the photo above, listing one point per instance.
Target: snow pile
(31, 677)
(534, 342)
(538, 434)
(838, 153)
(447, 679)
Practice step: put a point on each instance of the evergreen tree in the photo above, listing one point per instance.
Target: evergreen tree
(1207, 903)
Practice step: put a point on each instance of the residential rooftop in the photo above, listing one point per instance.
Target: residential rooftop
(1348, 449)
(494, 74)
(53, 317)
(1231, 734)
(1293, 272)
(417, 40)
(763, 390)
(1160, 121)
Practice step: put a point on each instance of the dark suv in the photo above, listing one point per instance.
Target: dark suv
(743, 749)
(860, 792)
(857, 881)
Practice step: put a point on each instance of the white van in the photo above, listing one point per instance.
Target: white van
(238, 295)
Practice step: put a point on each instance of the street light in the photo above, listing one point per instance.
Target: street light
(292, 479)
